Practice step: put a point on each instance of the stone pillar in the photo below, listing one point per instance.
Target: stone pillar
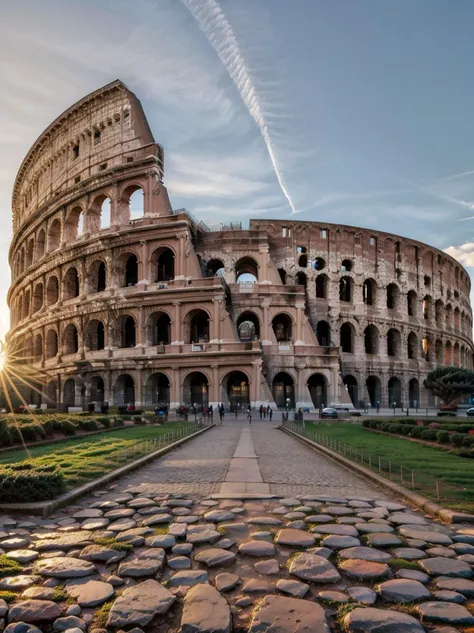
(179, 262)
(214, 392)
(144, 267)
(298, 339)
(139, 388)
(151, 182)
(176, 325)
(215, 333)
(265, 333)
(140, 330)
(175, 387)
(256, 397)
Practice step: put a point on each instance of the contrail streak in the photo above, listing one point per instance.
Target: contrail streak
(215, 26)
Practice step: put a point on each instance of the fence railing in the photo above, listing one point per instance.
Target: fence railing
(417, 481)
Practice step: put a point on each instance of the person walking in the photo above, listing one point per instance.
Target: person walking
(211, 413)
(236, 411)
(270, 413)
(260, 410)
(221, 414)
(249, 414)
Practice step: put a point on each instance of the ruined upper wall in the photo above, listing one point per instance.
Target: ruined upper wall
(99, 133)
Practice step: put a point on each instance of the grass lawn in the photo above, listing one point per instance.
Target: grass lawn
(82, 459)
(428, 463)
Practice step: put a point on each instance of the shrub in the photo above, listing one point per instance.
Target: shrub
(137, 419)
(456, 439)
(105, 421)
(434, 425)
(442, 437)
(386, 427)
(5, 435)
(48, 427)
(406, 429)
(366, 423)
(416, 431)
(88, 425)
(24, 481)
(396, 428)
(119, 422)
(429, 434)
(468, 441)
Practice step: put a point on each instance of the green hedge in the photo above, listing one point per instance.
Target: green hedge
(27, 482)
(443, 432)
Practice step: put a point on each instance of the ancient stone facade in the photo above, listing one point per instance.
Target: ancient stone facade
(118, 298)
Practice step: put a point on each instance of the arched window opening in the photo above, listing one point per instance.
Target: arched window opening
(394, 392)
(40, 244)
(196, 326)
(427, 281)
(52, 290)
(373, 390)
(105, 214)
(439, 354)
(448, 354)
(456, 318)
(51, 344)
(350, 383)
(456, 355)
(368, 292)
(301, 279)
(22, 261)
(392, 296)
(317, 386)
(74, 225)
(347, 338)
(38, 348)
(345, 289)
(439, 311)
(303, 257)
(323, 333)
(456, 294)
(411, 303)
(71, 339)
(164, 259)
(71, 284)
(124, 390)
(137, 204)
(321, 287)
(236, 390)
(28, 349)
(283, 275)
(51, 394)
(248, 327)
(38, 295)
(196, 389)
(371, 340)
(318, 263)
(412, 346)
(101, 277)
(69, 393)
(131, 271)
(215, 268)
(30, 249)
(97, 389)
(26, 305)
(159, 329)
(393, 343)
(128, 332)
(414, 393)
(427, 307)
(346, 266)
(157, 390)
(426, 348)
(283, 389)
(54, 235)
(282, 327)
(246, 270)
(449, 315)
(95, 335)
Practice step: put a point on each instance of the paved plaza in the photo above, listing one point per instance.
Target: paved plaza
(243, 528)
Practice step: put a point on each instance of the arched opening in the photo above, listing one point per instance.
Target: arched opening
(318, 263)
(394, 392)
(283, 275)
(368, 292)
(427, 307)
(163, 263)
(456, 318)
(321, 287)
(411, 302)
(51, 393)
(303, 258)
(54, 235)
(95, 339)
(52, 291)
(51, 344)
(347, 338)
(196, 327)
(393, 342)
(392, 296)
(350, 383)
(40, 244)
(439, 352)
(105, 214)
(412, 346)
(38, 348)
(128, 332)
(414, 393)
(30, 249)
(323, 333)
(71, 339)
(131, 271)
(456, 354)
(74, 224)
(282, 327)
(22, 261)
(373, 389)
(317, 386)
(237, 389)
(69, 391)
(196, 389)
(345, 289)
(283, 389)
(29, 348)
(26, 305)
(449, 315)
(97, 277)
(371, 340)
(426, 348)
(246, 270)
(301, 279)
(38, 294)
(137, 204)
(346, 266)
(157, 390)
(124, 390)
(215, 268)
(71, 284)
(159, 329)
(439, 311)
(248, 327)
(97, 389)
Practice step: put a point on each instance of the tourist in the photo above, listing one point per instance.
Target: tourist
(249, 414)
(211, 412)
(270, 413)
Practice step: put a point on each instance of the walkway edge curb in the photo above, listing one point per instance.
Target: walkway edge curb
(45, 508)
(430, 507)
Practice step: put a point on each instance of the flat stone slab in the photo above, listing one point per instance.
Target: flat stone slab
(441, 566)
(88, 513)
(202, 534)
(449, 596)
(205, 611)
(158, 519)
(292, 587)
(447, 613)
(364, 595)
(333, 541)
(427, 536)
(23, 556)
(368, 528)
(257, 548)
(214, 557)
(17, 583)
(401, 590)
(101, 553)
(371, 620)
(280, 614)
(406, 518)
(380, 539)
(267, 567)
(271, 521)
(165, 541)
(179, 562)
(408, 553)
(140, 604)
(148, 563)
(295, 538)
(189, 578)
(226, 582)
(31, 611)
(64, 541)
(91, 593)
(313, 568)
(335, 528)
(65, 567)
(218, 516)
(365, 553)
(466, 587)
(364, 569)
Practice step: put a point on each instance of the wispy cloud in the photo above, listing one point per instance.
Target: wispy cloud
(463, 253)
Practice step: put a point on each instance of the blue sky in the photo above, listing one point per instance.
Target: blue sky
(354, 111)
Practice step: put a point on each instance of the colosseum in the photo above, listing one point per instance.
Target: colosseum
(117, 297)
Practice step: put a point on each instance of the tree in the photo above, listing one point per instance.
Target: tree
(451, 384)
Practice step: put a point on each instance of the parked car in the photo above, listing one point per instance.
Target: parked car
(329, 412)
(470, 412)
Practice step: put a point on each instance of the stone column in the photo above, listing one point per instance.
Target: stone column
(214, 393)
(176, 325)
(175, 387)
(139, 388)
(256, 397)
(144, 272)
(265, 334)
(215, 334)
